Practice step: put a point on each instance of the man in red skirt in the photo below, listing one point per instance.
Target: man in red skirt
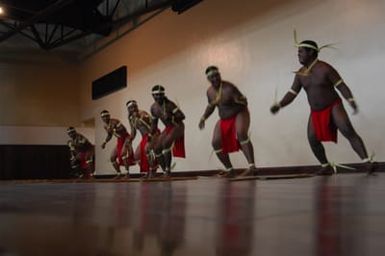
(171, 140)
(122, 154)
(82, 153)
(231, 131)
(144, 154)
(320, 81)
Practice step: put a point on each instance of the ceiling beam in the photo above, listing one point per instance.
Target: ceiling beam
(116, 23)
(40, 15)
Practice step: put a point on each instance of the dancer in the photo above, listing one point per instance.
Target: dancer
(140, 120)
(82, 153)
(231, 131)
(172, 137)
(122, 154)
(320, 81)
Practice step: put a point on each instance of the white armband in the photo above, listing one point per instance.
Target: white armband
(338, 83)
(293, 92)
(351, 99)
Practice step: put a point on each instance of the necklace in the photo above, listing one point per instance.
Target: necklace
(307, 70)
(218, 95)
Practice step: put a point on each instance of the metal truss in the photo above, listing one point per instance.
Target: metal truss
(42, 27)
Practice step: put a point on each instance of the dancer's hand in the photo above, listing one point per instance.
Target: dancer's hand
(354, 107)
(202, 123)
(275, 108)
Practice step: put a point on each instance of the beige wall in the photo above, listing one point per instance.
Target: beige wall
(40, 135)
(252, 43)
(39, 93)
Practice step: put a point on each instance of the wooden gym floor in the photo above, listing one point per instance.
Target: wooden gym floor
(337, 215)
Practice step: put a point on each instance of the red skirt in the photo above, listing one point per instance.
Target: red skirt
(144, 164)
(83, 160)
(324, 127)
(178, 149)
(229, 135)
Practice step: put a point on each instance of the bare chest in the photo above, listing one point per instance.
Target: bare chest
(163, 111)
(222, 96)
(315, 81)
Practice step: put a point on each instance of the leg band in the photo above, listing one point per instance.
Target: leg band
(167, 150)
(244, 142)
(217, 151)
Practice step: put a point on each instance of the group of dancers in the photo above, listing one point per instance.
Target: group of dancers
(156, 148)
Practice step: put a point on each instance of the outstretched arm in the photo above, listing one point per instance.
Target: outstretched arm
(108, 138)
(340, 85)
(154, 121)
(289, 96)
(238, 97)
(177, 113)
(208, 111)
(347, 94)
(133, 129)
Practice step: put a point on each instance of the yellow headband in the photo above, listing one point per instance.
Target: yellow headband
(212, 72)
(71, 130)
(104, 114)
(158, 92)
(132, 103)
(297, 44)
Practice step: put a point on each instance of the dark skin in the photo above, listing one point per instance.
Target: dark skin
(230, 102)
(80, 144)
(112, 127)
(167, 111)
(320, 90)
(140, 120)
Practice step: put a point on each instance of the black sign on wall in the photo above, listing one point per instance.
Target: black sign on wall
(109, 83)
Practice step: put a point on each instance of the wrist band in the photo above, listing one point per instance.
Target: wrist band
(351, 100)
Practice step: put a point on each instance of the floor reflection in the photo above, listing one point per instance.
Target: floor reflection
(340, 208)
(162, 213)
(235, 218)
(340, 215)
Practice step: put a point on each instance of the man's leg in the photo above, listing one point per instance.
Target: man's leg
(127, 157)
(176, 133)
(242, 124)
(341, 119)
(113, 158)
(150, 155)
(137, 154)
(75, 165)
(90, 163)
(158, 147)
(167, 159)
(217, 145)
(318, 150)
